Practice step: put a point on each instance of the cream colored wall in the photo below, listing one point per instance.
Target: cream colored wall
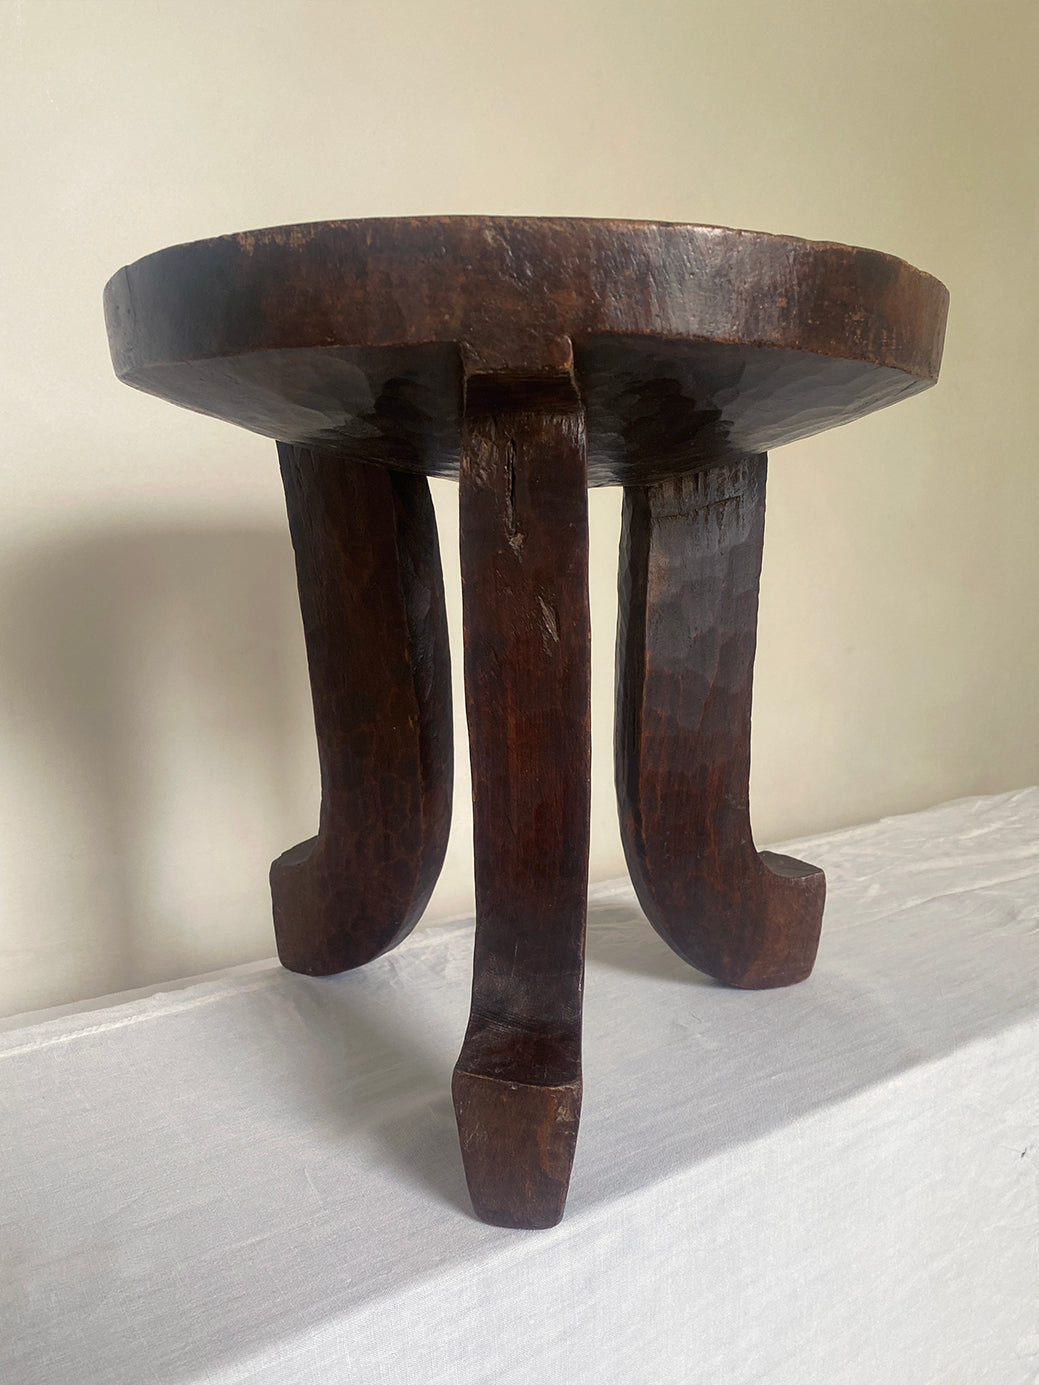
(155, 742)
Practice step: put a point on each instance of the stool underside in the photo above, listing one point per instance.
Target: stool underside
(654, 408)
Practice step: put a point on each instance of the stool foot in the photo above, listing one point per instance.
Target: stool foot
(518, 1145)
(688, 590)
(372, 598)
(524, 548)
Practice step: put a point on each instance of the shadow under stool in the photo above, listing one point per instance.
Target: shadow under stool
(529, 358)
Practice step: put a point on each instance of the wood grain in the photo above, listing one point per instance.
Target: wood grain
(530, 357)
(721, 343)
(687, 627)
(524, 548)
(372, 598)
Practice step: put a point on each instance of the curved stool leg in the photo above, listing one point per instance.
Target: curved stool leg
(372, 597)
(524, 546)
(689, 569)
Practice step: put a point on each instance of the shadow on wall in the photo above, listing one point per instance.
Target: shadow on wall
(157, 751)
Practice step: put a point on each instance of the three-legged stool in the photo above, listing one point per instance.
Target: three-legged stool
(530, 359)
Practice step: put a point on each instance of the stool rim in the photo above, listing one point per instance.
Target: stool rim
(388, 281)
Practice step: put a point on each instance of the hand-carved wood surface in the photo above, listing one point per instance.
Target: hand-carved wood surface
(372, 597)
(691, 343)
(530, 357)
(686, 631)
(517, 1084)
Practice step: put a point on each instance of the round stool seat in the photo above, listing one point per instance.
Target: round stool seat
(690, 344)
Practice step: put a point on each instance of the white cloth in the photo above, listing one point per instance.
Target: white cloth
(257, 1179)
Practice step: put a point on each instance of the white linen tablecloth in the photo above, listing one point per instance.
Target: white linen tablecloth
(256, 1178)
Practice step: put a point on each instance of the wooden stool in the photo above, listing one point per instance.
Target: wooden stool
(529, 358)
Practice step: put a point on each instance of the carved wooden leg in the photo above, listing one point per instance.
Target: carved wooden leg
(689, 569)
(524, 545)
(372, 597)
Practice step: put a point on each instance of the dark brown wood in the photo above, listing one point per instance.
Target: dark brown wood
(530, 357)
(524, 548)
(687, 626)
(372, 597)
(716, 343)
